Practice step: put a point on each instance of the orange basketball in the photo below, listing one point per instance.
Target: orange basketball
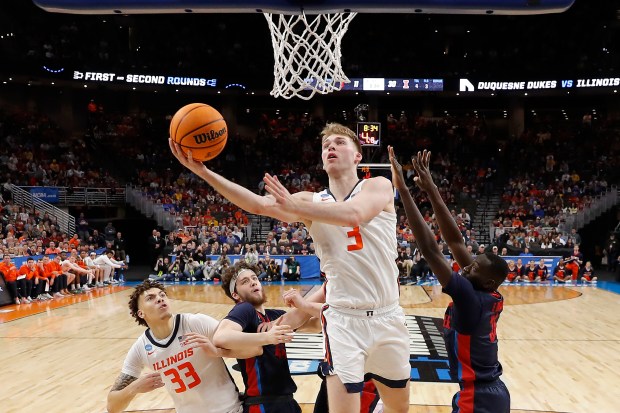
(201, 129)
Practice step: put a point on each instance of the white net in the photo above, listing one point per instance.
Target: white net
(307, 54)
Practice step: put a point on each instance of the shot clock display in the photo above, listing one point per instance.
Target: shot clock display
(369, 133)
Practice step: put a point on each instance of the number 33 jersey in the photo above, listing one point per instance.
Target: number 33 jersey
(360, 262)
(196, 382)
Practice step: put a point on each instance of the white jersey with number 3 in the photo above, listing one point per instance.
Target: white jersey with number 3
(359, 263)
(196, 383)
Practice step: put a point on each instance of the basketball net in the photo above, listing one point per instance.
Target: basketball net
(307, 54)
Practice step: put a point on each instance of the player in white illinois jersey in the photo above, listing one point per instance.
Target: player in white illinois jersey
(178, 349)
(365, 332)
(368, 277)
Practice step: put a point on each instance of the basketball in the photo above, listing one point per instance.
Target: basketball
(200, 128)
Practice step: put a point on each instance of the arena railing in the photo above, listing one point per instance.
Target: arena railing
(26, 199)
(151, 209)
(602, 203)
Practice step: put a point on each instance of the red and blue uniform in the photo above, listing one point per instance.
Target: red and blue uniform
(369, 397)
(269, 386)
(471, 340)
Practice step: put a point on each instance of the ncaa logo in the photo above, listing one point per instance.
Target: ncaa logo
(148, 347)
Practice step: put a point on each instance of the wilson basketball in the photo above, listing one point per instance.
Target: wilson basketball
(200, 128)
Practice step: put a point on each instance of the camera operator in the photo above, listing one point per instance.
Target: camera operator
(179, 264)
(199, 255)
(193, 269)
(162, 269)
(220, 265)
(251, 256)
(273, 269)
(262, 269)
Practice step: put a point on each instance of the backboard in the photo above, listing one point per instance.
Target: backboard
(513, 7)
(307, 35)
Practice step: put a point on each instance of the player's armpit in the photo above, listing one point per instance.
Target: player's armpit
(122, 381)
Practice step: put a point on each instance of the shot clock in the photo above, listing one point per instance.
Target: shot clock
(369, 133)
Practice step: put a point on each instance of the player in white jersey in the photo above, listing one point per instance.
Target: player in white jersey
(179, 352)
(368, 278)
(355, 238)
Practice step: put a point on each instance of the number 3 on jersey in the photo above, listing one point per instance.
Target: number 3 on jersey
(177, 379)
(357, 237)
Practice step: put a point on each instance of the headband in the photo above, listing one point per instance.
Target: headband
(233, 280)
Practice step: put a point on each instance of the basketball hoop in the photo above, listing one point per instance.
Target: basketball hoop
(307, 54)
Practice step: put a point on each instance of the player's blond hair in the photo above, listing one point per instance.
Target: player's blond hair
(338, 129)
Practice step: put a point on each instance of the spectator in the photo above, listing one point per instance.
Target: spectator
(575, 236)
(119, 247)
(292, 269)
(74, 242)
(163, 269)
(52, 249)
(155, 244)
(82, 227)
(513, 273)
(219, 266)
(574, 263)
(97, 239)
(109, 232)
(587, 273)
(560, 273)
(612, 251)
(531, 272)
(251, 256)
(273, 269)
(542, 272)
(192, 270)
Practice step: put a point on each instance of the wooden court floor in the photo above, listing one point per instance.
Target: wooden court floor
(559, 346)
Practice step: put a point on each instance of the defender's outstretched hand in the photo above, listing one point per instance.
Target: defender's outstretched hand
(398, 180)
(421, 164)
(188, 161)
